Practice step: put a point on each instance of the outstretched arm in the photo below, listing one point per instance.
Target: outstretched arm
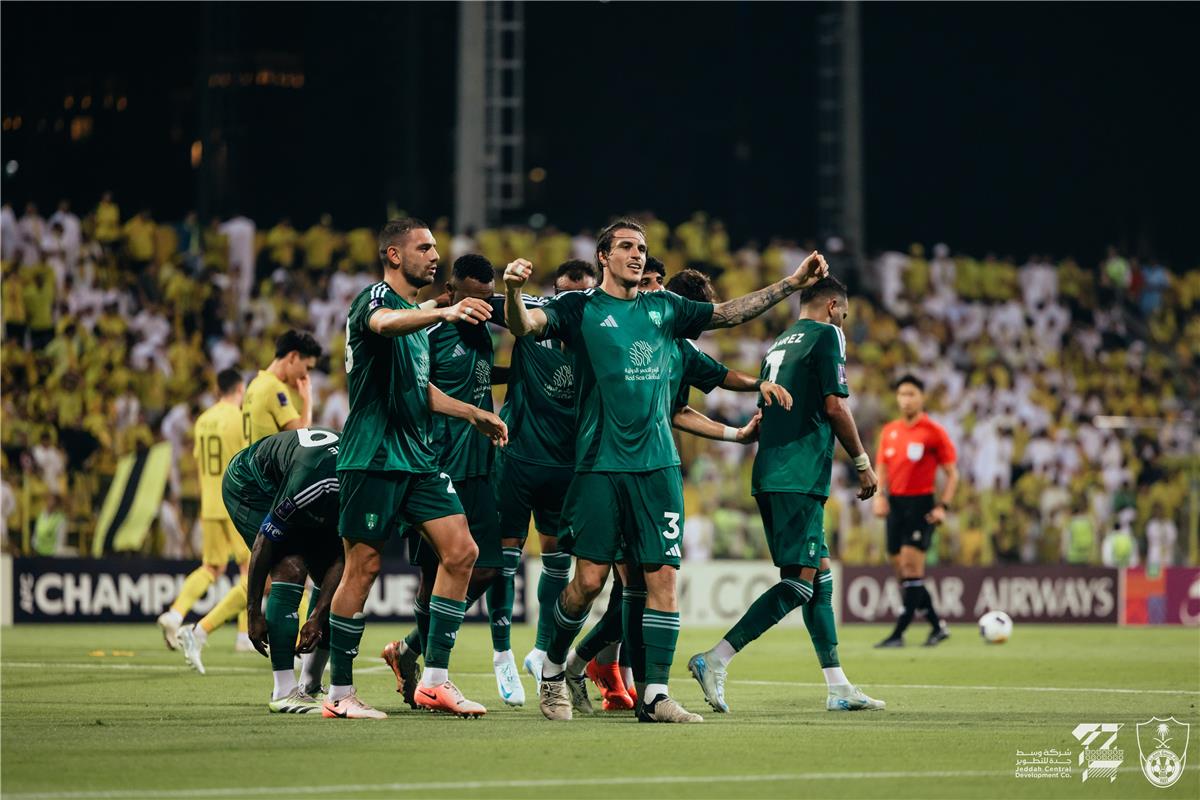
(691, 421)
(261, 558)
(747, 307)
(403, 321)
(520, 320)
(838, 412)
(737, 381)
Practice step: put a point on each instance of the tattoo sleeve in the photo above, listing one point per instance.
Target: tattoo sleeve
(747, 307)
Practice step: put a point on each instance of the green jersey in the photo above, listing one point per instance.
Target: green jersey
(696, 369)
(625, 354)
(539, 408)
(299, 469)
(460, 364)
(795, 448)
(389, 426)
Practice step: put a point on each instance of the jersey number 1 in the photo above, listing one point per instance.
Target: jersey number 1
(773, 362)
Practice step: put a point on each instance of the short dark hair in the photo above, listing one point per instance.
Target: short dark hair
(826, 287)
(654, 265)
(473, 265)
(909, 378)
(300, 341)
(227, 380)
(576, 270)
(692, 284)
(395, 232)
(605, 239)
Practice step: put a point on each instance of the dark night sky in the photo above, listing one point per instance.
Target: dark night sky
(1014, 128)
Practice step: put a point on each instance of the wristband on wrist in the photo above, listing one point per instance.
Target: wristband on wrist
(862, 462)
(758, 385)
(942, 504)
(730, 434)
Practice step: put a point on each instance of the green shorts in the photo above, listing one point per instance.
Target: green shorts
(247, 499)
(521, 488)
(795, 527)
(479, 504)
(610, 515)
(374, 505)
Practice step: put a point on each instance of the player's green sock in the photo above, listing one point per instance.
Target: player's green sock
(416, 638)
(633, 608)
(605, 632)
(500, 597)
(660, 632)
(556, 569)
(818, 617)
(771, 606)
(445, 617)
(283, 623)
(566, 628)
(345, 633)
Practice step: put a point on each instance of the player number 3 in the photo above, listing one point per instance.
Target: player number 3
(672, 531)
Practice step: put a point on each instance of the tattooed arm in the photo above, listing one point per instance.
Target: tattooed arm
(742, 309)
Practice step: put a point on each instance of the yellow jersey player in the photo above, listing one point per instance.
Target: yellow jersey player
(280, 396)
(218, 435)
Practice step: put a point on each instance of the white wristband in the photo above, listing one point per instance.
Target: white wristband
(731, 433)
(862, 462)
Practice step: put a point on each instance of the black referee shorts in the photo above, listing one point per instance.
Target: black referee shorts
(906, 523)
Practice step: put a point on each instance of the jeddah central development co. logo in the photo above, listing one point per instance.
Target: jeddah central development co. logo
(641, 353)
(1099, 759)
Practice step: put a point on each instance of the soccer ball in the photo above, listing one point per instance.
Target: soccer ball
(995, 627)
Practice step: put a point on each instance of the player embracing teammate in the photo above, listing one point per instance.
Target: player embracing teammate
(626, 499)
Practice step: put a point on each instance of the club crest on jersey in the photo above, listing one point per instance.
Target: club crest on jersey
(915, 451)
(656, 318)
(282, 397)
(372, 521)
(483, 374)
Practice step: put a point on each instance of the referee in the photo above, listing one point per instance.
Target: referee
(910, 451)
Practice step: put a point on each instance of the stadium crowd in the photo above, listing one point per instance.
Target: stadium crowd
(114, 325)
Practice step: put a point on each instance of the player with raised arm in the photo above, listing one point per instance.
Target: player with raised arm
(217, 435)
(388, 468)
(600, 650)
(910, 451)
(282, 493)
(461, 361)
(790, 482)
(627, 491)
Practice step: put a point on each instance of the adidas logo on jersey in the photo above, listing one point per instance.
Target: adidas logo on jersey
(458, 351)
(609, 322)
(673, 550)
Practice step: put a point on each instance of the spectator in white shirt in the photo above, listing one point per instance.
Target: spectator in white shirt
(51, 463)
(1161, 535)
(10, 235)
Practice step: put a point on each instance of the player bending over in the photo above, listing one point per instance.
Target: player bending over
(282, 493)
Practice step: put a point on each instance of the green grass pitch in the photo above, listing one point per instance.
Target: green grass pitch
(77, 725)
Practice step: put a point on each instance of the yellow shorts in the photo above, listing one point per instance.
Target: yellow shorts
(222, 543)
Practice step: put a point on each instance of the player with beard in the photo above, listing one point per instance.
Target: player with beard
(388, 468)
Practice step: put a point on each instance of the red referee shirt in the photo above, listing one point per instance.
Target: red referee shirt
(912, 453)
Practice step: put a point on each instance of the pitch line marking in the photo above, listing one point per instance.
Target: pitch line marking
(384, 668)
(268, 791)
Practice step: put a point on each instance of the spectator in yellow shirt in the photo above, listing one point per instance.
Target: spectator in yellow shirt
(139, 240)
(281, 244)
(318, 245)
(108, 222)
(39, 305)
